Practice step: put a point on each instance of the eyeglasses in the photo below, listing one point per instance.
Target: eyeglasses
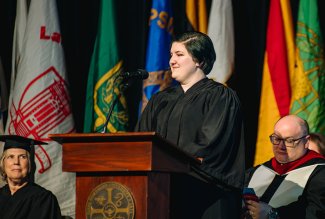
(288, 142)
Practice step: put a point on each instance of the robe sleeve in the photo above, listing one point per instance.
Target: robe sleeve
(220, 140)
(144, 123)
(221, 121)
(148, 120)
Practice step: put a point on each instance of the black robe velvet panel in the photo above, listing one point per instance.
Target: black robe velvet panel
(205, 121)
(30, 202)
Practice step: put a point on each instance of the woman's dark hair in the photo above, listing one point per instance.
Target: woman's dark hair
(200, 46)
(319, 140)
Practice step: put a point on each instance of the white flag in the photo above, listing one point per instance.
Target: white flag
(221, 32)
(19, 33)
(40, 101)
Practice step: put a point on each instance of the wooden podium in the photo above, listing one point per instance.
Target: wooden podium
(139, 162)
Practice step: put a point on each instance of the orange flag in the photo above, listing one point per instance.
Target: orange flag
(197, 15)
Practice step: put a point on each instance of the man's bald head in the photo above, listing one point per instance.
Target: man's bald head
(295, 120)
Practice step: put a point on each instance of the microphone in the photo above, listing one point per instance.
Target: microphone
(138, 74)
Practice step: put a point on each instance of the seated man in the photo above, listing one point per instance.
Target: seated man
(291, 184)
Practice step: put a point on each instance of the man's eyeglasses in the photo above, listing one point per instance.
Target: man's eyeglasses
(288, 142)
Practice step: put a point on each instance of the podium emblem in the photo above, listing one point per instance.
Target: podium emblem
(110, 200)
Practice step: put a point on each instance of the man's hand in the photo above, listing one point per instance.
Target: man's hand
(258, 210)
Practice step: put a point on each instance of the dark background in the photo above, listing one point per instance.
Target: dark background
(78, 21)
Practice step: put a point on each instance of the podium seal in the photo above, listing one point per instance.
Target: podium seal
(110, 200)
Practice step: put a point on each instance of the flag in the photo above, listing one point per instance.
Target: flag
(19, 33)
(278, 63)
(39, 99)
(308, 86)
(103, 84)
(157, 56)
(196, 15)
(221, 32)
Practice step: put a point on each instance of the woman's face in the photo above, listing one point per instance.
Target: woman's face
(16, 164)
(181, 63)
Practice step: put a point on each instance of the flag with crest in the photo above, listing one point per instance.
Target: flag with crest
(308, 81)
(104, 83)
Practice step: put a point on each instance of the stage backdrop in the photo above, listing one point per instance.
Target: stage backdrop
(79, 24)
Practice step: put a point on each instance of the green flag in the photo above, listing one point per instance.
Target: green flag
(103, 84)
(308, 88)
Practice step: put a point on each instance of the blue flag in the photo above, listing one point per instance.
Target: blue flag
(157, 56)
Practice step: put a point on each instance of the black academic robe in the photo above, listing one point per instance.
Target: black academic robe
(30, 202)
(205, 121)
(298, 193)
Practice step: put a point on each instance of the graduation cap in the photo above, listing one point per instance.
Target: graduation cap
(16, 141)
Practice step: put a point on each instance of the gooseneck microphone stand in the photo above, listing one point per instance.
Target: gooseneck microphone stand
(110, 111)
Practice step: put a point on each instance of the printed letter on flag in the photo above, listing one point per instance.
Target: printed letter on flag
(157, 57)
(39, 99)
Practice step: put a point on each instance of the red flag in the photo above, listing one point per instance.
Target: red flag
(278, 63)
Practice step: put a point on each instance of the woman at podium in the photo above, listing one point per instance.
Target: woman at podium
(203, 118)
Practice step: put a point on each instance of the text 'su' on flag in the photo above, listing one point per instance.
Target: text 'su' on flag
(278, 63)
(161, 26)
